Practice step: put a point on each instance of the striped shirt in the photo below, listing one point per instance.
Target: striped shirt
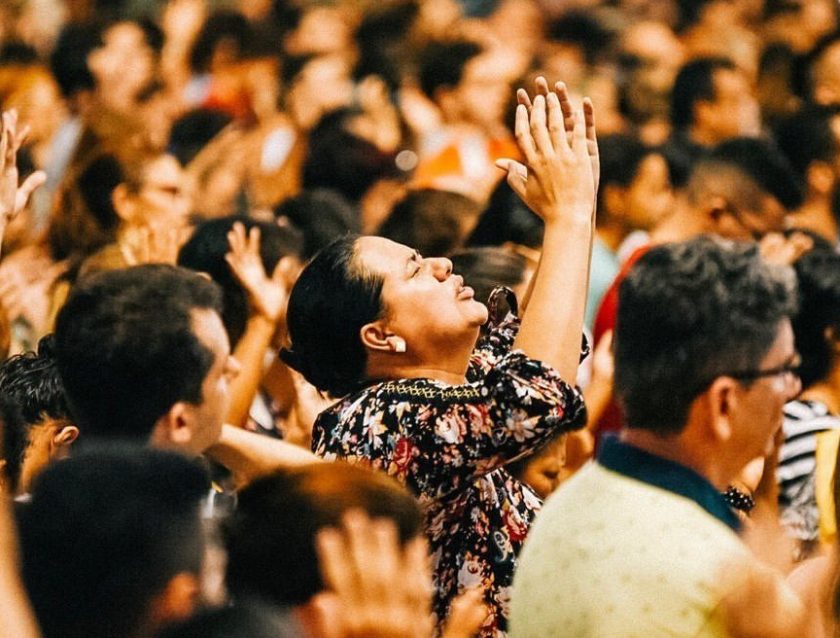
(796, 473)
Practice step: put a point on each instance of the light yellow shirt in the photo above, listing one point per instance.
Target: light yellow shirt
(613, 556)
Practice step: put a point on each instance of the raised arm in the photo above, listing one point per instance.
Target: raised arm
(558, 182)
(13, 197)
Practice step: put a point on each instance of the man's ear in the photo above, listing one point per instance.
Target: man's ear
(175, 428)
(375, 336)
(63, 438)
(721, 399)
(177, 601)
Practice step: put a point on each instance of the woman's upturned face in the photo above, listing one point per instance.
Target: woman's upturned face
(425, 303)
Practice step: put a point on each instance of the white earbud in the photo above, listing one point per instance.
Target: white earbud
(398, 344)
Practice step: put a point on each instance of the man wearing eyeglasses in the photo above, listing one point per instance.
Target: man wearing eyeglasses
(637, 543)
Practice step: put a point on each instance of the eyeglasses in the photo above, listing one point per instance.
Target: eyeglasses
(791, 370)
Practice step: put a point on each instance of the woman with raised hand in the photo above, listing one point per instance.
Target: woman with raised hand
(394, 333)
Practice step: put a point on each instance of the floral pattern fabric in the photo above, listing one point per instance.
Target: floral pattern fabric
(448, 445)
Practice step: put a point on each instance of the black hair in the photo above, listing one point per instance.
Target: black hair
(384, 49)
(762, 162)
(242, 620)
(695, 83)
(583, 31)
(97, 182)
(330, 302)
(507, 219)
(32, 383)
(807, 137)
(691, 312)
(621, 156)
(68, 60)
(270, 538)
(126, 348)
(429, 220)
(205, 252)
(193, 131)
(489, 267)
(104, 534)
(221, 26)
(14, 52)
(818, 277)
(342, 161)
(322, 215)
(442, 64)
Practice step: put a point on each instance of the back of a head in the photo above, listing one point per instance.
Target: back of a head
(442, 65)
(431, 221)
(237, 621)
(271, 536)
(322, 215)
(816, 326)
(807, 137)
(103, 535)
(689, 313)
(205, 252)
(488, 267)
(694, 83)
(757, 166)
(507, 219)
(193, 131)
(330, 302)
(126, 348)
(32, 383)
(340, 160)
(69, 58)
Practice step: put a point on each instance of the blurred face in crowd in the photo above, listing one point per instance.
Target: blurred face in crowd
(161, 199)
(323, 85)
(543, 472)
(483, 93)
(648, 198)
(826, 77)
(733, 112)
(38, 102)
(125, 63)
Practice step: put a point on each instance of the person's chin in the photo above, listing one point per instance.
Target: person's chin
(480, 312)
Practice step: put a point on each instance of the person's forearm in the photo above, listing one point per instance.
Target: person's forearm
(249, 455)
(597, 397)
(250, 353)
(552, 326)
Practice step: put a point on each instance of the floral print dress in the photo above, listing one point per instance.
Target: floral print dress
(448, 445)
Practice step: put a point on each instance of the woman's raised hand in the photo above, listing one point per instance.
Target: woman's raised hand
(558, 180)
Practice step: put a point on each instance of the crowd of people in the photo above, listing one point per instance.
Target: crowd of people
(415, 318)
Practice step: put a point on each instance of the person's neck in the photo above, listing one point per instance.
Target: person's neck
(449, 368)
(612, 234)
(826, 391)
(673, 448)
(816, 215)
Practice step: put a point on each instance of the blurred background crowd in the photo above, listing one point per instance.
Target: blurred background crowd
(237, 138)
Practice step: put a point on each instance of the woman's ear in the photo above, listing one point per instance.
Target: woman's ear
(376, 337)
